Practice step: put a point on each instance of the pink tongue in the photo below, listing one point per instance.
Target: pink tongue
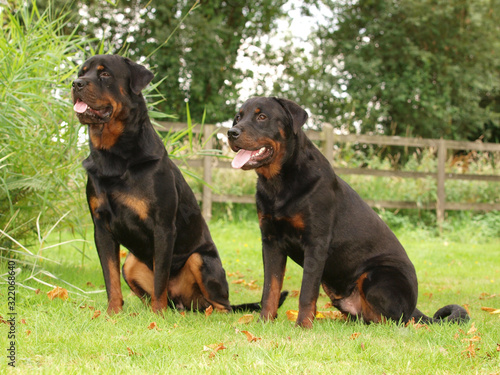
(241, 158)
(80, 106)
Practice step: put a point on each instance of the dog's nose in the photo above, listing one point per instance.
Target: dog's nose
(233, 133)
(79, 83)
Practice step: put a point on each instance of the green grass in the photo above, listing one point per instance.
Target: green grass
(63, 337)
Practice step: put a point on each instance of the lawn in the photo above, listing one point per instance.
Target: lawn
(69, 336)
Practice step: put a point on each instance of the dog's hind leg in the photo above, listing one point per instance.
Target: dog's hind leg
(138, 277)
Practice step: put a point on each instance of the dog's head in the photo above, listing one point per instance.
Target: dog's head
(107, 88)
(260, 133)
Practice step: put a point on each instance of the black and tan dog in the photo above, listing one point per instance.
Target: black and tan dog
(139, 199)
(309, 214)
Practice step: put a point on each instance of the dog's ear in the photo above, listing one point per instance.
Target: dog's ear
(139, 76)
(299, 115)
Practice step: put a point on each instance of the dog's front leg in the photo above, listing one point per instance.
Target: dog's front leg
(274, 273)
(164, 248)
(108, 250)
(314, 264)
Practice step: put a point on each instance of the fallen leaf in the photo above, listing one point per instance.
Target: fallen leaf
(214, 349)
(488, 309)
(209, 310)
(245, 319)
(292, 315)
(22, 321)
(354, 336)
(470, 351)
(472, 339)
(250, 336)
(37, 291)
(133, 314)
(466, 307)
(152, 325)
(472, 329)
(294, 293)
(328, 305)
(89, 284)
(495, 312)
(131, 352)
(123, 253)
(28, 332)
(58, 292)
(334, 315)
(239, 281)
(96, 314)
(498, 347)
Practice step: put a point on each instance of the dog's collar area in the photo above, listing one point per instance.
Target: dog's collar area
(249, 159)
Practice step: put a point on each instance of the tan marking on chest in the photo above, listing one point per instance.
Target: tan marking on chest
(138, 205)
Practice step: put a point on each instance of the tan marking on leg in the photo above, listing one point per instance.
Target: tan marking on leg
(115, 298)
(272, 304)
(195, 262)
(95, 203)
(367, 310)
(138, 275)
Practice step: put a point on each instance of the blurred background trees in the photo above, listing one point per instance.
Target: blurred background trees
(427, 68)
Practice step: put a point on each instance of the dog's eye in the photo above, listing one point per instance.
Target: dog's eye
(262, 117)
(237, 118)
(104, 75)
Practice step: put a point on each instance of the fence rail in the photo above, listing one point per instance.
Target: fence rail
(327, 139)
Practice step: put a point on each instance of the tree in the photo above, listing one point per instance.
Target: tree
(197, 63)
(427, 68)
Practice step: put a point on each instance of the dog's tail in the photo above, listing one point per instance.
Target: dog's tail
(257, 306)
(447, 314)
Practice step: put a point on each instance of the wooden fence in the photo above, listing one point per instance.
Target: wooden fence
(327, 139)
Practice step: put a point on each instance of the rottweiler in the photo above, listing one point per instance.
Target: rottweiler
(306, 212)
(138, 198)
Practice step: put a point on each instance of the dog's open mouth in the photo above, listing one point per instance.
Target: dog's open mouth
(82, 109)
(248, 159)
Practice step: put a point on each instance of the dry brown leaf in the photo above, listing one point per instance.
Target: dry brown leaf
(245, 319)
(472, 339)
(354, 336)
(28, 332)
(22, 321)
(294, 293)
(328, 305)
(38, 291)
(209, 310)
(488, 309)
(96, 314)
(58, 292)
(466, 307)
(131, 352)
(133, 314)
(470, 351)
(250, 336)
(472, 329)
(498, 347)
(216, 348)
(152, 325)
(123, 253)
(239, 281)
(292, 315)
(90, 285)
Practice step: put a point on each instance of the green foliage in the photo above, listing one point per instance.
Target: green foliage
(39, 153)
(198, 63)
(405, 67)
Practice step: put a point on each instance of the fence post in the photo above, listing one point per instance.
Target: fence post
(207, 172)
(441, 176)
(328, 144)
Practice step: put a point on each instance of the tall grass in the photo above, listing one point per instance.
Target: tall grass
(40, 173)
